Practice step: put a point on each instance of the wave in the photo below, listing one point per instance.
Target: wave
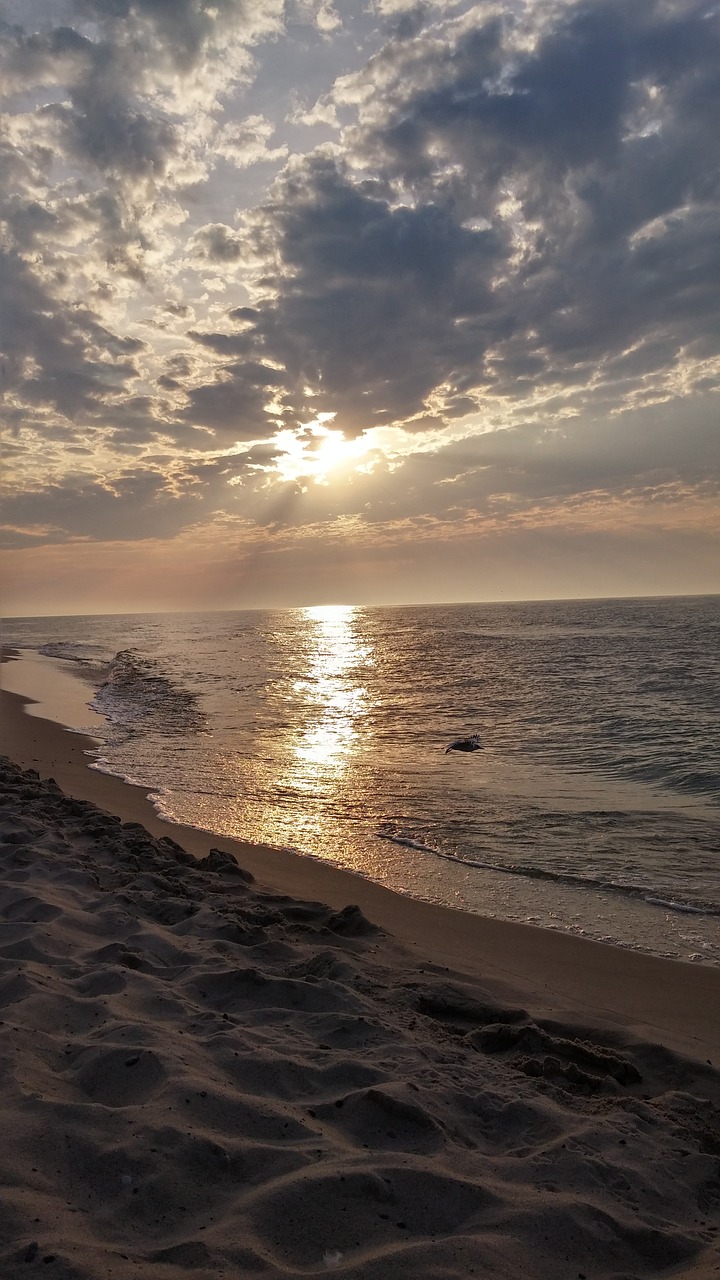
(71, 651)
(593, 883)
(681, 906)
(685, 764)
(136, 696)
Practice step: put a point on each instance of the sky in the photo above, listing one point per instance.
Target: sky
(358, 301)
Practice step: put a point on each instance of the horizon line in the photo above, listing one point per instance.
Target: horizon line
(346, 604)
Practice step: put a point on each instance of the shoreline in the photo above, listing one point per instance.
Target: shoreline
(673, 1003)
(307, 1075)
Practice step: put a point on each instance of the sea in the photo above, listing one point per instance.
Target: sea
(591, 807)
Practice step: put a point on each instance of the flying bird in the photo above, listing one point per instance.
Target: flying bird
(472, 743)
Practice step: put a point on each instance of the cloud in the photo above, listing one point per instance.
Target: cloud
(234, 406)
(363, 297)
(216, 243)
(246, 142)
(53, 356)
(116, 115)
(157, 499)
(512, 210)
(504, 270)
(184, 29)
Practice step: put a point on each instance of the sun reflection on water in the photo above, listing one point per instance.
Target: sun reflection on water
(301, 773)
(335, 696)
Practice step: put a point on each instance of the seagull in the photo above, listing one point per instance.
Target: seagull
(465, 744)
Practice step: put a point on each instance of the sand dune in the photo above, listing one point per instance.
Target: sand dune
(204, 1077)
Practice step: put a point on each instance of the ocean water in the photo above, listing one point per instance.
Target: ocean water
(593, 806)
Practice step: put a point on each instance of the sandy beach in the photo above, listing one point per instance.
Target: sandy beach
(224, 1060)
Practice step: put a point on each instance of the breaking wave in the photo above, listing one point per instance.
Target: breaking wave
(72, 651)
(136, 696)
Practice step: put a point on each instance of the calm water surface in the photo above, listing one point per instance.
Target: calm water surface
(593, 806)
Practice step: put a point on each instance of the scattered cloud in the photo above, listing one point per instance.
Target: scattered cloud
(482, 240)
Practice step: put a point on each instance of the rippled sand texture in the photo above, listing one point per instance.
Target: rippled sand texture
(199, 1077)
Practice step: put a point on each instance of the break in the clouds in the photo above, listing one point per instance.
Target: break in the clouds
(281, 268)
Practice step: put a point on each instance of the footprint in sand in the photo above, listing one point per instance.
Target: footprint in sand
(118, 1077)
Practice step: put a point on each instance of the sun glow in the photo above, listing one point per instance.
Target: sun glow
(319, 452)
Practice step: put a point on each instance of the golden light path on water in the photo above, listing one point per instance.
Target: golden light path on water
(336, 699)
(308, 769)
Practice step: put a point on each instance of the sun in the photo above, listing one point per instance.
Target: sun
(319, 452)
(332, 451)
